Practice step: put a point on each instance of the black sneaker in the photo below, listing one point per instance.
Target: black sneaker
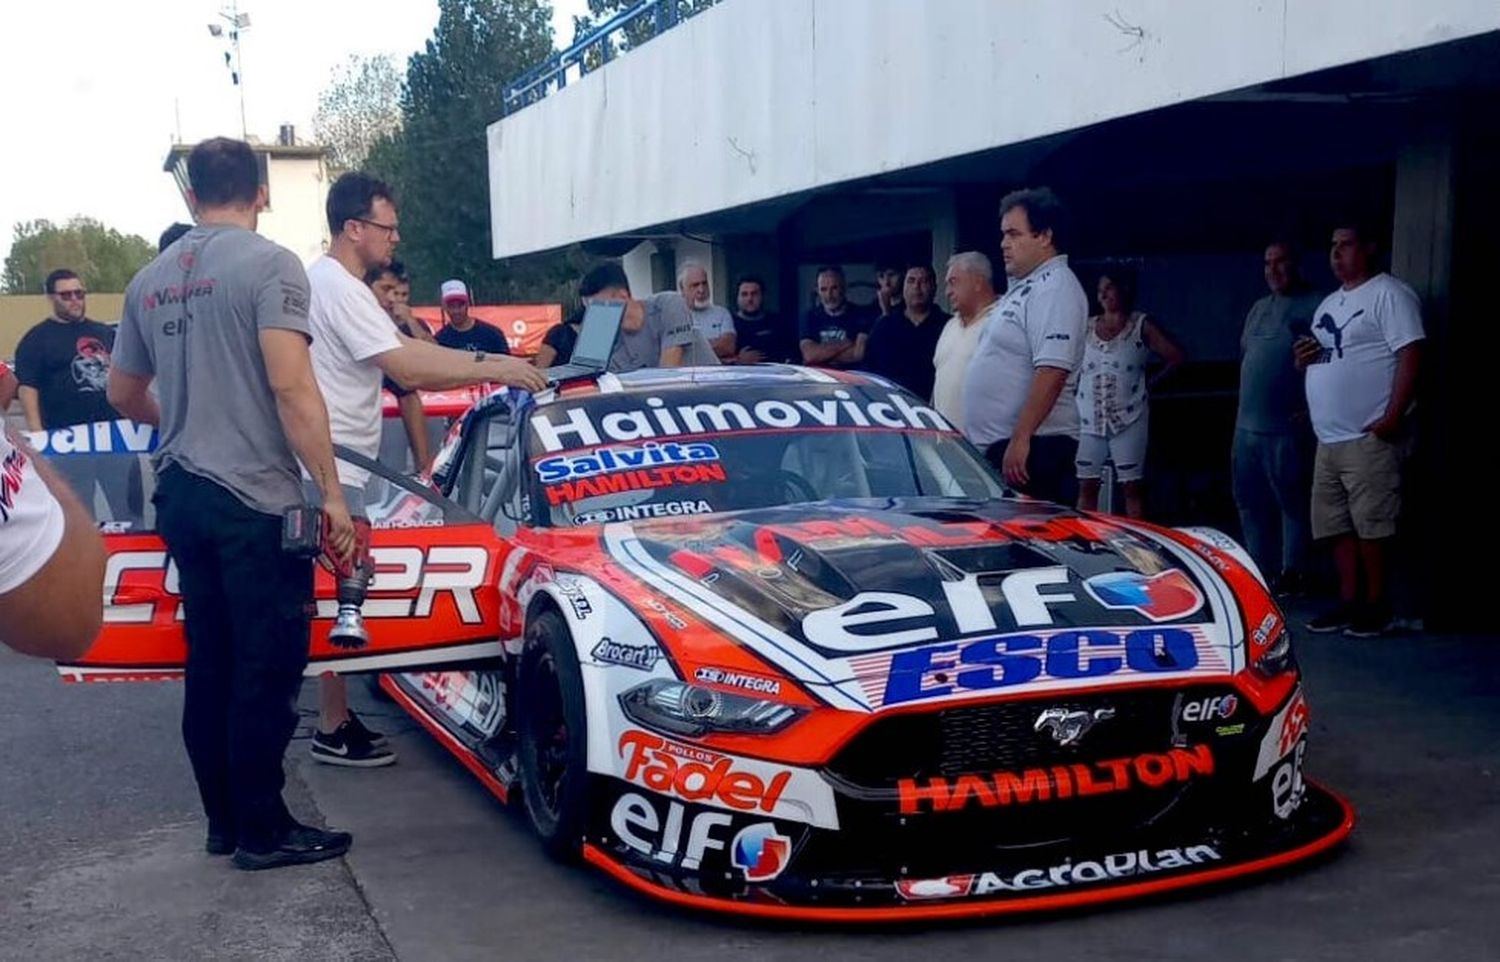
(1336, 619)
(368, 734)
(1370, 622)
(221, 841)
(300, 845)
(345, 747)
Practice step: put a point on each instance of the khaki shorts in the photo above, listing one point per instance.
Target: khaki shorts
(1356, 489)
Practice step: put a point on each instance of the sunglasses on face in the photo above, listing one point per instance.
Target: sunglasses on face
(70, 295)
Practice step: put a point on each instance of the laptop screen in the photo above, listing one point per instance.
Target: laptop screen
(596, 339)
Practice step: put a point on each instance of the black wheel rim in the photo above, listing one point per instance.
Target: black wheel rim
(550, 732)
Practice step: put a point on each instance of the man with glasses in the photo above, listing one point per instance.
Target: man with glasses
(62, 363)
(354, 344)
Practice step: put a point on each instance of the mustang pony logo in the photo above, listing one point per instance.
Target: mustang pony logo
(1068, 727)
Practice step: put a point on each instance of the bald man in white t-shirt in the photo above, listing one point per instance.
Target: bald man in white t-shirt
(50, 552)
(1361, 360)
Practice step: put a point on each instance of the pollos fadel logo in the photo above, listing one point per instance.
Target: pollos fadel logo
(697, 774)
(760, 852)
(1161, 597)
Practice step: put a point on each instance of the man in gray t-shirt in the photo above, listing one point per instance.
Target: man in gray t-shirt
(1271, 464)
(661, 340)
(656, 331)
(193, 320)
(219, 322)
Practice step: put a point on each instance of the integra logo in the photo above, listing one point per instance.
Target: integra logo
(569, 467)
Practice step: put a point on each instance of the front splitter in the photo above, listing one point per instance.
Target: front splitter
(1331, 818)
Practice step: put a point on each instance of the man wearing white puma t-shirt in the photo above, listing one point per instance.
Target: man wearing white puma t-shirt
(1361, 360)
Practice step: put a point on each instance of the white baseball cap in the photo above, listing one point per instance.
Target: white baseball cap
(455, 290)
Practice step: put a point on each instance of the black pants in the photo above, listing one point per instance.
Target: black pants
(1054, 475)
(246, 613)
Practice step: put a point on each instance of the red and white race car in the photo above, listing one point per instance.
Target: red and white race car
(777, 642)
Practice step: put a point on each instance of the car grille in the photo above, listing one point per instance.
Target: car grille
(985, 739)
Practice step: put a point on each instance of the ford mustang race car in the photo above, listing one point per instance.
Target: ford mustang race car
(777, 641)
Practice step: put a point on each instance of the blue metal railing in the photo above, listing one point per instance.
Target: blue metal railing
(595, 49)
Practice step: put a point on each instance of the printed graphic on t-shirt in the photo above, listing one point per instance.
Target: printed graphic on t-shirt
(1336, 330)
(91, 365)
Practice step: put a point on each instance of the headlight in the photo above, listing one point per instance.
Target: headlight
(683, 709)
(1277, 657)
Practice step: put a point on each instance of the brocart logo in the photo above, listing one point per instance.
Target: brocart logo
(1207, 709)
(1122, 865)
(643, 657)
(418, 576)
(758, 850)
(1151, 770)
(696, 774)
(560, 428)
(568, 468)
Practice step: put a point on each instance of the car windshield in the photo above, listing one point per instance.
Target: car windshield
(108, 465)
(611, 459)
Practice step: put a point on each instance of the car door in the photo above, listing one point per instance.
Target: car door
(434, 600)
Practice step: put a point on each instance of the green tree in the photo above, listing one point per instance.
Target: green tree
(638, 32)
(361, 104)
(438, 161)
(103, 258)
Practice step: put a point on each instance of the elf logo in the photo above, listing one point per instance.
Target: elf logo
(1207, 709)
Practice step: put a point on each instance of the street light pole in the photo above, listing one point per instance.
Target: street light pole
(237, 23)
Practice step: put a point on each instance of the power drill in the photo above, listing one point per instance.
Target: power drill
(304, 533)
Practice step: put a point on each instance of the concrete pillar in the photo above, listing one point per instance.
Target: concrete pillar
(1422, 252)
(1422, 234)
(637, 264)
(944, 233)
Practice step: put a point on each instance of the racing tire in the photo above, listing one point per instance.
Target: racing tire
(553, 737)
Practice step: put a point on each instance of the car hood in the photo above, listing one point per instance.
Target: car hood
(834, 592)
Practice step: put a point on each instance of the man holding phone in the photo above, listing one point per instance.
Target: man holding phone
(1361, 360)
(1271, 461)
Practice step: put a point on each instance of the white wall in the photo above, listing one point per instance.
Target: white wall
(296, 218)
(755, 99)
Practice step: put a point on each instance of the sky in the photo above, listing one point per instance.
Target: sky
(98, 90)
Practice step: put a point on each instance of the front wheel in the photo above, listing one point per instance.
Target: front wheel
(553, 737)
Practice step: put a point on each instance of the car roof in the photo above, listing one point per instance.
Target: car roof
(662, 380)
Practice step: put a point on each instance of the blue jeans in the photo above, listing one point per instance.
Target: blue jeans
(1272, 479)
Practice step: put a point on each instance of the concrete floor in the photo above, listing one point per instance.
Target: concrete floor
(102, 857)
